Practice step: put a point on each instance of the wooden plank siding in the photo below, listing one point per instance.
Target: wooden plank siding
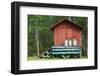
(66, 30)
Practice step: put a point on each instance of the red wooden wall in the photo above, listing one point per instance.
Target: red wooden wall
(65, 31)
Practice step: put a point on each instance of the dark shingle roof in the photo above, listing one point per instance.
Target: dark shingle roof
(55, 25)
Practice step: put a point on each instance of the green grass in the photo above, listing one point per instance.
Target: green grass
(37, 58)
(31, 58)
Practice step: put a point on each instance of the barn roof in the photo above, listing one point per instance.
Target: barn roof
(55, 25)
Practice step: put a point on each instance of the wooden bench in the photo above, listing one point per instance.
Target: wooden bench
(66, 51)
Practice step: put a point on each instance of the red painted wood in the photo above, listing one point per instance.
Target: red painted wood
(65, 31)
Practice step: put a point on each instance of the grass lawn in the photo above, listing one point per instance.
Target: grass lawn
(30, 58)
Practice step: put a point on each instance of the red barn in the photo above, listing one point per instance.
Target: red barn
(66, 29)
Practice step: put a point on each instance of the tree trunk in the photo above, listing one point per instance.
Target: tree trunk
(37, 41)
(69, 18)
